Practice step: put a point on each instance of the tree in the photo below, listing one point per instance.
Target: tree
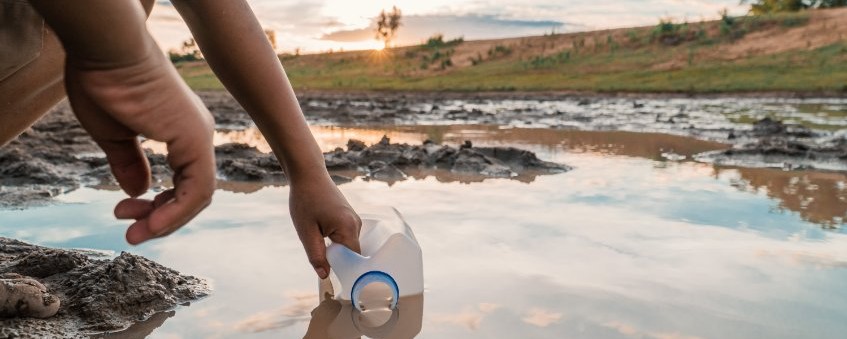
(387, 24)
(775, 6)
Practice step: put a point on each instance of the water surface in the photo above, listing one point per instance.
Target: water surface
(627, 245)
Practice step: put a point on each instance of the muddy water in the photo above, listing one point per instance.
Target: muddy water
(628, 244)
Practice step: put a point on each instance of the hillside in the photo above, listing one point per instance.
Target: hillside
(801, 52)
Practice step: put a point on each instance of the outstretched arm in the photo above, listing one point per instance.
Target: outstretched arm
(237, 49)
(120, 85)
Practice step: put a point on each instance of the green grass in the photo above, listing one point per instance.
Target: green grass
(614, 66)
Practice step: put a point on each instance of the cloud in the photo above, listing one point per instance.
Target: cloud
(315, 25)
(349, 35)
(416, 28)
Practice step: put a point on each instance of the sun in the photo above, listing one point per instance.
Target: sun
(374, 45)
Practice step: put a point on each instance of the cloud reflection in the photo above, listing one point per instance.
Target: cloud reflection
(471, 317)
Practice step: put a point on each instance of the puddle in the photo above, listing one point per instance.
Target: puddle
(628, 244)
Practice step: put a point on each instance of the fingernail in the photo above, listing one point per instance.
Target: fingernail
(321, 272)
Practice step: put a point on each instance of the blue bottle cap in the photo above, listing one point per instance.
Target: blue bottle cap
(374, 277)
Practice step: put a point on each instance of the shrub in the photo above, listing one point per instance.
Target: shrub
(476, 60)
(499, 50)
(668, 33)
(728, 26)
(437, 41)
(549, 61)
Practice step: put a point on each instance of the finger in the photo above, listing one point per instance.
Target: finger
(129, 165)
(134, 208)
(139, 232)
(313, 243)
(188, 200)
(346, 238)
(194, 165)
(163, 198)
(345, 231)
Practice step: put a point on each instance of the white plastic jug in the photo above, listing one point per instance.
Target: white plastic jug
(390, 266)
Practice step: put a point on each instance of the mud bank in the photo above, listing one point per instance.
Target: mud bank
(97, 293)
(46, 160)
(56, 156)
(766, 143)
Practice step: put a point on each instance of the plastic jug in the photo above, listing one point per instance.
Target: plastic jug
(390, 266)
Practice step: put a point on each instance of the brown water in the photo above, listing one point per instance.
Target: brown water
(628, 244)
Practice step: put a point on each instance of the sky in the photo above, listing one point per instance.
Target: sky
(321, 25)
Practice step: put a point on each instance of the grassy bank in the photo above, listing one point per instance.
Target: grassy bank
(804, 52)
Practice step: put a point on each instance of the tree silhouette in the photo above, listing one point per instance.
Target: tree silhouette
(387, 24)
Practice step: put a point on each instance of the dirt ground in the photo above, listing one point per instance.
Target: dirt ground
(98, 292)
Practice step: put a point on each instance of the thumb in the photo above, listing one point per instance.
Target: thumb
(313, 243)
(129, 165)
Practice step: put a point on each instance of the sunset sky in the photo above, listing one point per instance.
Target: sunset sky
(320, 25)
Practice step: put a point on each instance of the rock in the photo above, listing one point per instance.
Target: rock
(467, 161)
(354, 145)
(521, 160)
(25, 297)
(771, 128)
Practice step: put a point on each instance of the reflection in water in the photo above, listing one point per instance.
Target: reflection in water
(334, 319)
(646, 145)
(819, 197)
(142, 329)
(541, 317)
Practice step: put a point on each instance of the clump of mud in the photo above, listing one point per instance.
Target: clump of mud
(389, 162)
(240, 162)
(791, 147)
(97, 294)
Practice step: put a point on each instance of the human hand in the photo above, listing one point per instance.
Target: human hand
(319, 210)
(147, 97)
